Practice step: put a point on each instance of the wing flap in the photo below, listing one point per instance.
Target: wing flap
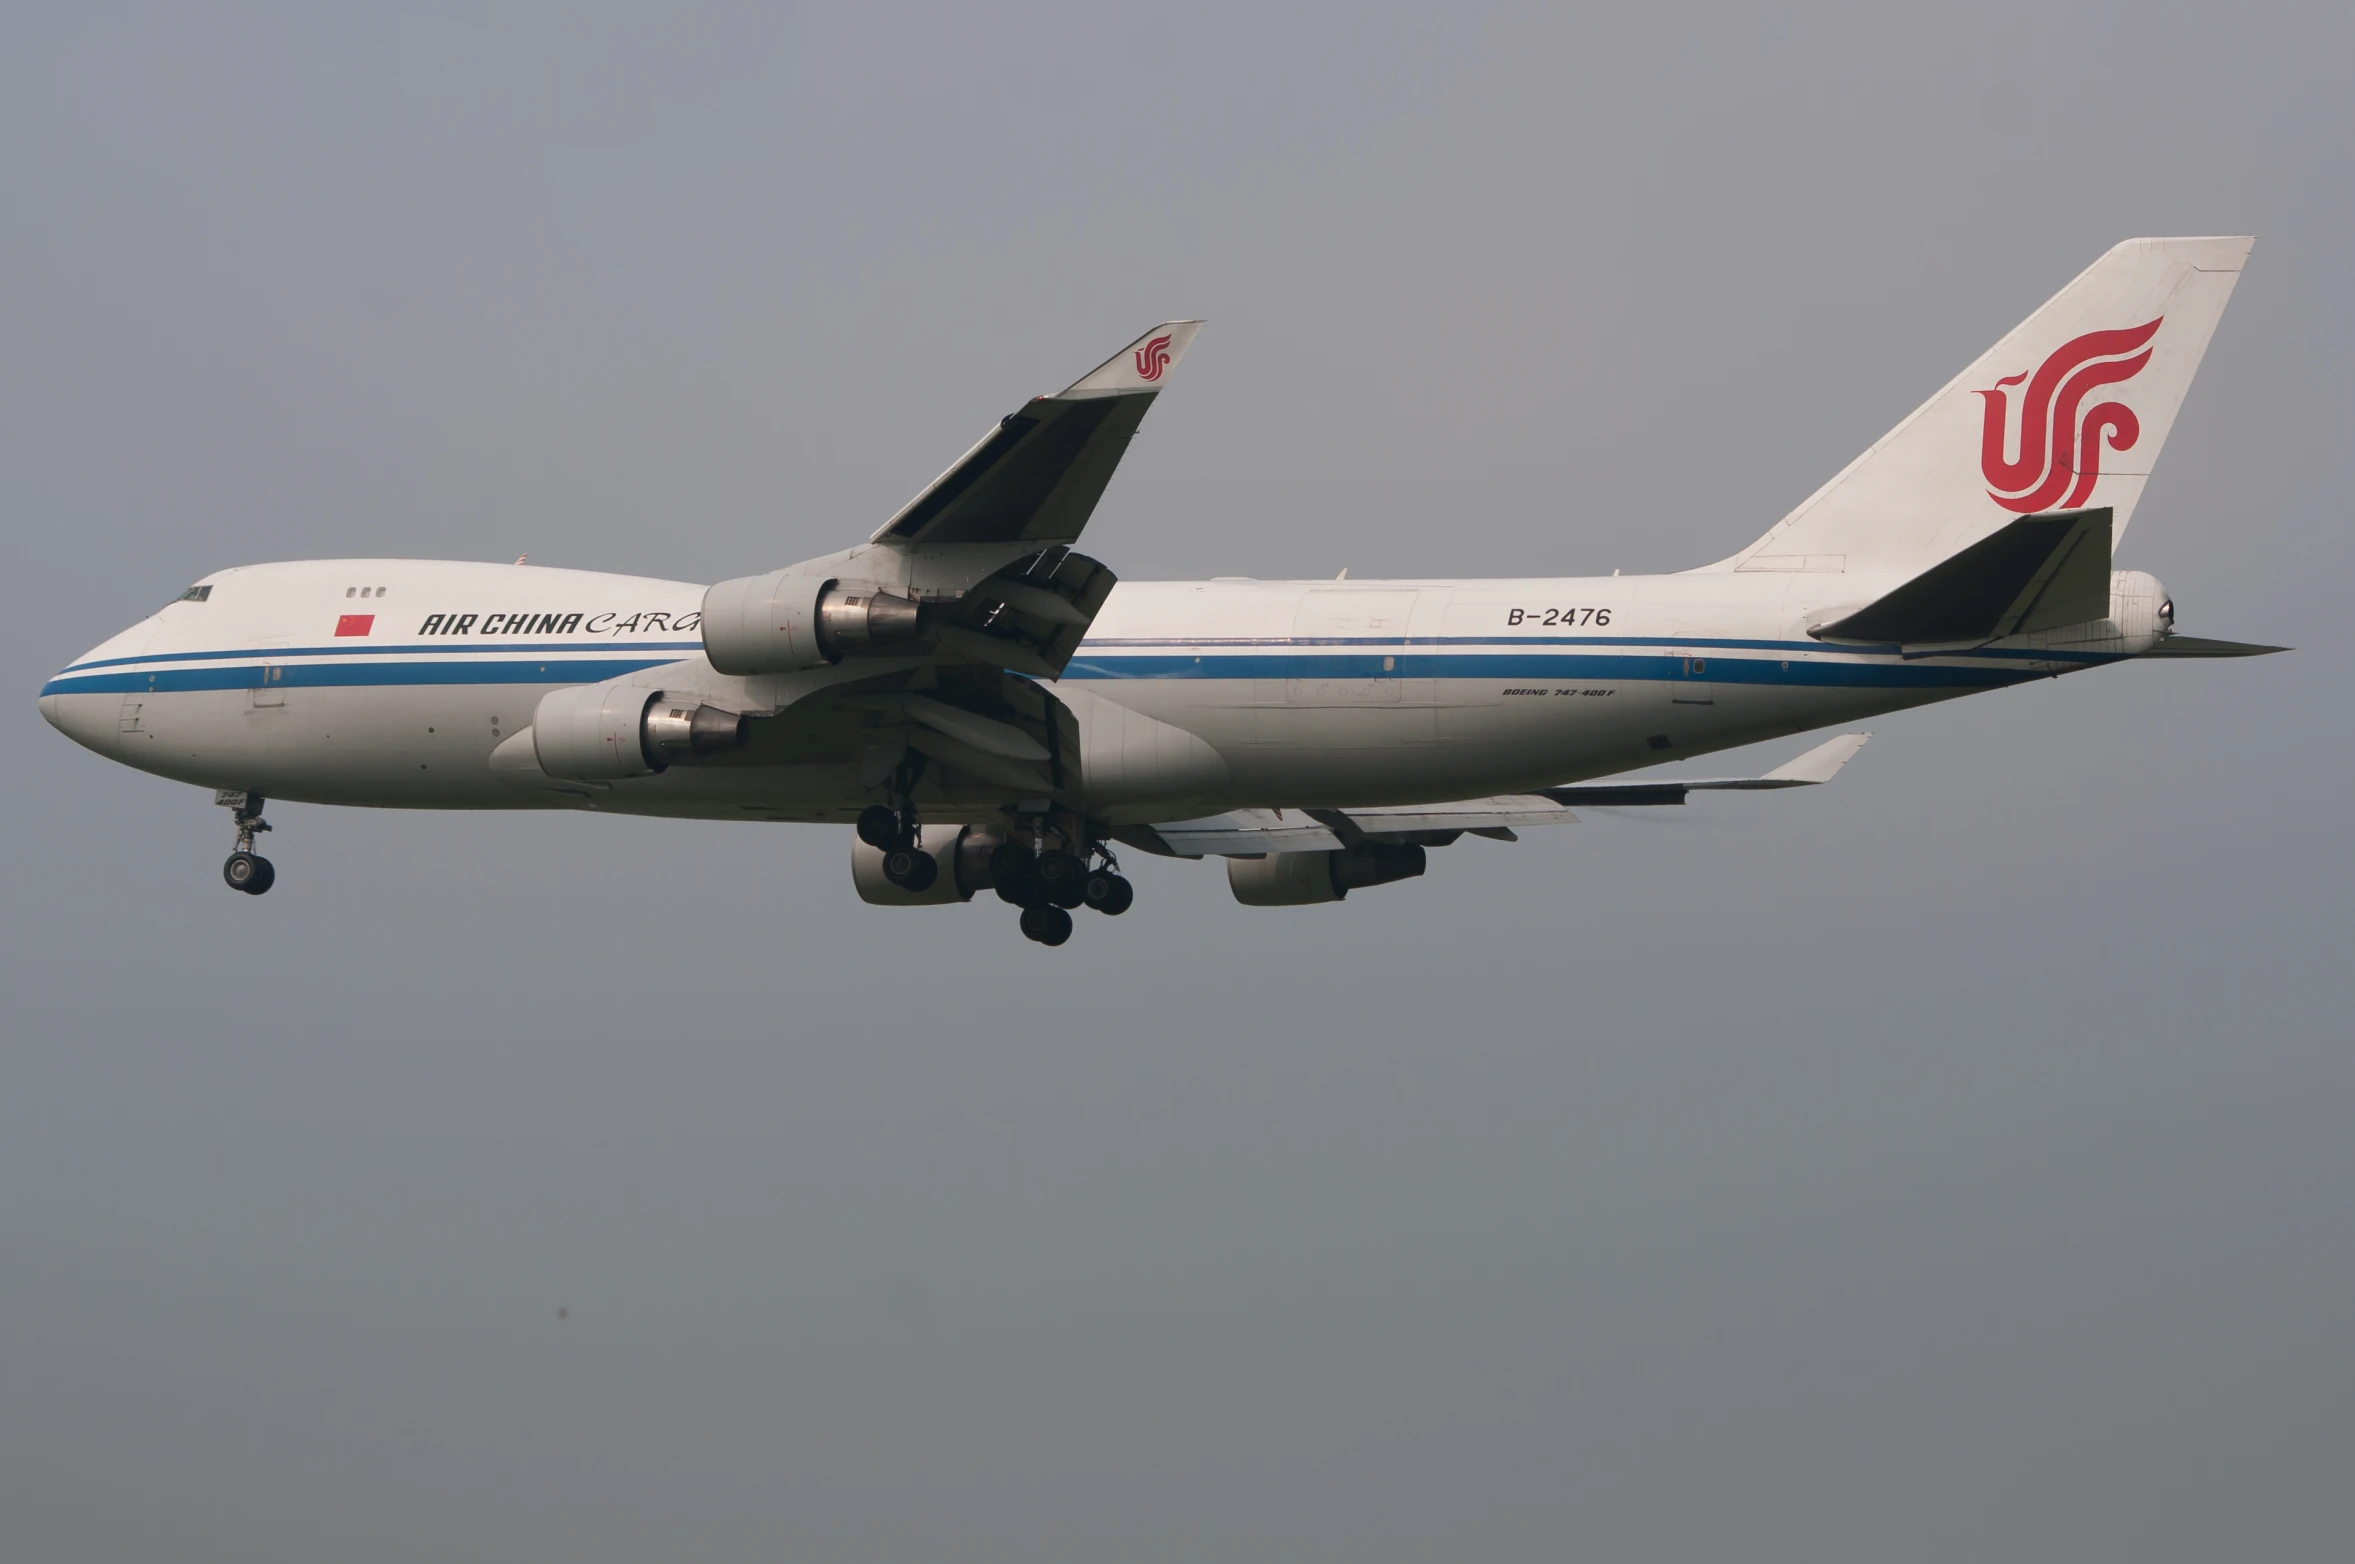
(1245, 833)
(1471, 814)
(1032, 615)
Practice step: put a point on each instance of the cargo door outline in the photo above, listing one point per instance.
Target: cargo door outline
(1690, 684)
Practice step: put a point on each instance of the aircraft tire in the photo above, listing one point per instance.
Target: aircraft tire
(1109, 893)
(1062, 878)
(1047, 924)
(910, 868)
(249, 872)
(878, 827)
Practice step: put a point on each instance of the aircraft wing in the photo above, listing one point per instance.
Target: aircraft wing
(1036, 477)
(974, 572)
(1252, 833)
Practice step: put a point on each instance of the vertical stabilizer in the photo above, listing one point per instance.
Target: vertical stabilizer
(2066, 413)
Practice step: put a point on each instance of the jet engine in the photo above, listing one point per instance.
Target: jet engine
(961, 851)
(1300, 879)
(613, 730)
(785, 621)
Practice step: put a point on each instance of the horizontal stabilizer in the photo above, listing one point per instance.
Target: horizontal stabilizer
(1818, 766)
(2037, 573)
(2195, 646)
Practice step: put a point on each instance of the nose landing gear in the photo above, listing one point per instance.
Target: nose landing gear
(247, 870)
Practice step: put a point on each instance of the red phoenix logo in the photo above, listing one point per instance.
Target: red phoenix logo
(2059, 444)
(1153, 358)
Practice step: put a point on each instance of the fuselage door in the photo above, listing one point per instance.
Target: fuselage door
(1692, 685)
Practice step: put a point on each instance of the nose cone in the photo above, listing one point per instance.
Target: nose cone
(85, 700)
(88, 717)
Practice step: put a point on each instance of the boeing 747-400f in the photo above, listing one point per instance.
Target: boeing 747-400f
(988, 710)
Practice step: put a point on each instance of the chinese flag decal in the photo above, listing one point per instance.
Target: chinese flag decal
(355, 624)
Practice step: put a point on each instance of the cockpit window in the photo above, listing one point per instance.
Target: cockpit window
(195, 595)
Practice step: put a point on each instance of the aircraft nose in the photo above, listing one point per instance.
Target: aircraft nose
(89, 716)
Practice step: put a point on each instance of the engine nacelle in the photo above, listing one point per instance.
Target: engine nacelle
(605, 731)
(1302, 879)
(962, 851)
(785, 621)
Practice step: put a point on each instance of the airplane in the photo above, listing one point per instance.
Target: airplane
(990, 709)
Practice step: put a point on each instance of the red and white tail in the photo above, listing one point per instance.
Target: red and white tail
(2067, 412)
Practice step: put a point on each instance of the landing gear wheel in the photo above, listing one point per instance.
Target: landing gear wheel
(1047, 925)
(911, 868)
(879, 826)
(1061, 876)
(246, 870)
(1109, 893)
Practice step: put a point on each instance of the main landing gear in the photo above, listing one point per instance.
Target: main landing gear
(1047, 883)
(247, 870)
(905, 864)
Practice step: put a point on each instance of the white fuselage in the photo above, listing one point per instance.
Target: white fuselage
(391, 682)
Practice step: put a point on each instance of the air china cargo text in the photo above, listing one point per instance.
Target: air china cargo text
(560, 624)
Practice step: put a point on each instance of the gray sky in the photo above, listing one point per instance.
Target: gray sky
(1949, 1164)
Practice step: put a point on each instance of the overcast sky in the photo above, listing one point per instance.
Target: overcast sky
(1949, 1164)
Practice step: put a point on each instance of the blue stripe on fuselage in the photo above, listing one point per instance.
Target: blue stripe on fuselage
(1125, 646)
(1094, 650)
(339, 674)
(1547, 660)
(1540, 667)
(272, 654)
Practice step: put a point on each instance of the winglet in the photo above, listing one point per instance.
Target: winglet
(1821, 763)
(1144, 365)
